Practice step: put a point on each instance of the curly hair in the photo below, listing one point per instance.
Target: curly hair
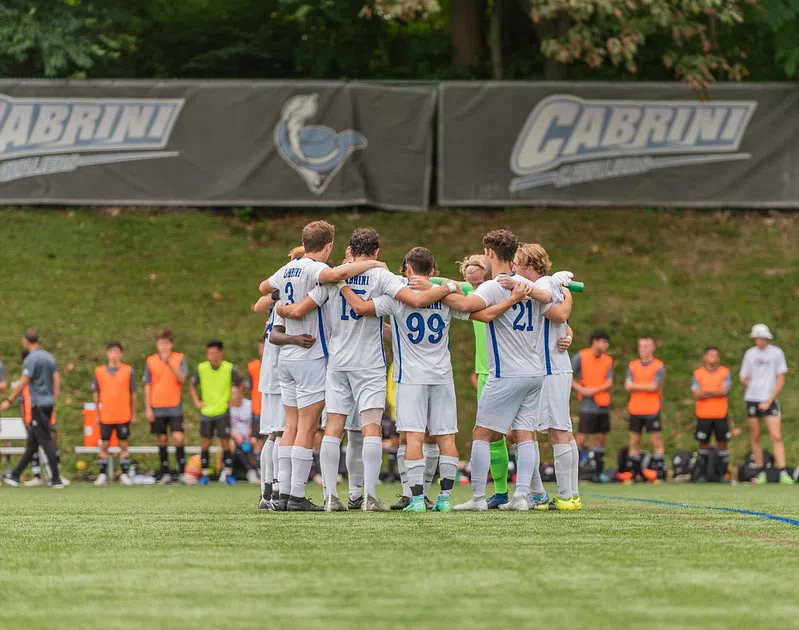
(365, 241)
(503, 242)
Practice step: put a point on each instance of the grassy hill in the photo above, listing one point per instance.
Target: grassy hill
(689, 279)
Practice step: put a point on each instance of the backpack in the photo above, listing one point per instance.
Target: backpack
(683, 464)
(713, 473)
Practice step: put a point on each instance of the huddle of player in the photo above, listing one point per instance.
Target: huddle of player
(325, 352)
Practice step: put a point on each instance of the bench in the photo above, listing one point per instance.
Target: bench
(15, 430)
(135, 450)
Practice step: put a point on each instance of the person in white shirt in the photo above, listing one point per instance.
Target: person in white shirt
(240, 432)
(302, 370)
(763, 373)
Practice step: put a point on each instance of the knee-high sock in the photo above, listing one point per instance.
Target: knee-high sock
(301, 462)
(448, 468)
(403, 473)
(329, 455)
(163, 456)
(372, 460)
(180, 457)
(499, 466)
(526, 463)
(575, 467)
(355, 463)
(481, 462)
(416, 474)
(431, 453)
(536, 485)
(275, 461)
(267, 468)
(284, 469)
(563, 469)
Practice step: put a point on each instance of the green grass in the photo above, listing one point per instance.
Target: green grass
(178, 557)
(691, 279)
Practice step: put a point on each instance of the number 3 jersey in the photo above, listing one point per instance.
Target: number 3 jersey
(356, 342)
(420, 341)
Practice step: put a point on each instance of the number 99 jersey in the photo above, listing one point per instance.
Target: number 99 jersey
(420, 340)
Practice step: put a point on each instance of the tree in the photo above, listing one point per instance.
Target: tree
(782, 18)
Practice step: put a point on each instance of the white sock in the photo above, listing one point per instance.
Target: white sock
(416, 474)
(267, 471)
(481, 463)
(355, 463)
(372, 461)
(301, 462)
(275, 463)
(406, 488)
(448, 468)
(329, 455)
(284, 469)
(537, 486)
(575, 467)
(431, 453)
(563, 469)
(525, 465)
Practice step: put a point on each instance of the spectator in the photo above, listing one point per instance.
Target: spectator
(711, 390)
(763, 373)
(241, 433)
(257, 440)
(3, 382)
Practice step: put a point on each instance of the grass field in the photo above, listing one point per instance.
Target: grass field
(179, 557)
(690, 279)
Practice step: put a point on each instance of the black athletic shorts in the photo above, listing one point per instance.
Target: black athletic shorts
(255, 427)
(753, 411)
(652, 423)
(594, 422)
(220, 424)
(160, 425)
(705, 429)
(107, 430)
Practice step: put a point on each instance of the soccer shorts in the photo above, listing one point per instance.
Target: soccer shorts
(302, 383)
(160, 425)
(753, 411)
(218, 424)
(107, 430)
(510, 403)
(652, 423)
(273, 414)
(706, 428)
(591, 423)
(430, 408)
(358, 390)
(554, 412)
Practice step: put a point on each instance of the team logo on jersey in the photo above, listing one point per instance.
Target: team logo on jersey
(317, 153)
(41, 136)
(567, 140)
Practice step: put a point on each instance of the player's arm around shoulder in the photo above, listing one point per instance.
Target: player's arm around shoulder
(489, 314)
(298, 310)
(348, 270)
(356, 302)
(560, 313)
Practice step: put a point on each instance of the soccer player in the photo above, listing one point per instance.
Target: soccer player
(593, 380)
(711, 390)
(645, 378)
(356, 376)
(40, 372)
(303, 370)
(763, 373)
(215, 384)
(165, 371)
(3, 382)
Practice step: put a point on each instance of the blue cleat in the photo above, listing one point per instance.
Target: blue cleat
(203, 481)
(497, 500)
(230, 480)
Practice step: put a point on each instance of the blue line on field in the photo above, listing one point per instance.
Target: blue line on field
(765, 515)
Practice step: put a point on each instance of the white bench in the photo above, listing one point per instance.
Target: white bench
(15, 430)
(134, 450)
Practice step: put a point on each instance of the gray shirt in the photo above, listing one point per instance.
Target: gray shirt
(587, 404)
(167, 412)
(40, 367)
(761, 367)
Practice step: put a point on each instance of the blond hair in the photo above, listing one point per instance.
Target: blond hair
(475, 264)
(297, 252)
(535, 256)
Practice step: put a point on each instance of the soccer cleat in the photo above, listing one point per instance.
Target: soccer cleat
(58, 485)
(11, 480)
(402, 503)
(356, 503)
(650, 475)
(302, 505)
(265, 506)
(282, 503)
(252, 477)
(183, 479)
(230, 480)
(498, 500)
(124, 479)
(536, 500)
(36, 482)
(428, 503)
(519, 503)
(417, 504)
(334, 504)
(373, 504)
(165, 479)
(760, 480)
(442, 504)
(204, 480)
(578, 502)
(786, 479)
(275, 494)
(475, 504)
(562, 505)
(101, 480)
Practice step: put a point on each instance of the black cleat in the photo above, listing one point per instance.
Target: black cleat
(11, 480)
(265, 506)
(282, 503)
(302, 505)
(402, 503)
(429, 504)
(275, 496)
(355, 504)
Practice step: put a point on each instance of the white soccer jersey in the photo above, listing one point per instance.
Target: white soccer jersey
(356, 342)
(420, 341)
(294, 281)
(269, 382)
(512, 339)
(555, 361)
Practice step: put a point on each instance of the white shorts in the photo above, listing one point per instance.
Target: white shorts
(431, 408)
(302, 383)
(353, 422)
(554, 412)
(273, 414)
(346, 392)
(509, 403)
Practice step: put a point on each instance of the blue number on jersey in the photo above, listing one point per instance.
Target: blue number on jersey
(416, 325)
(344, 307)
(522, 307)
(290, 293)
